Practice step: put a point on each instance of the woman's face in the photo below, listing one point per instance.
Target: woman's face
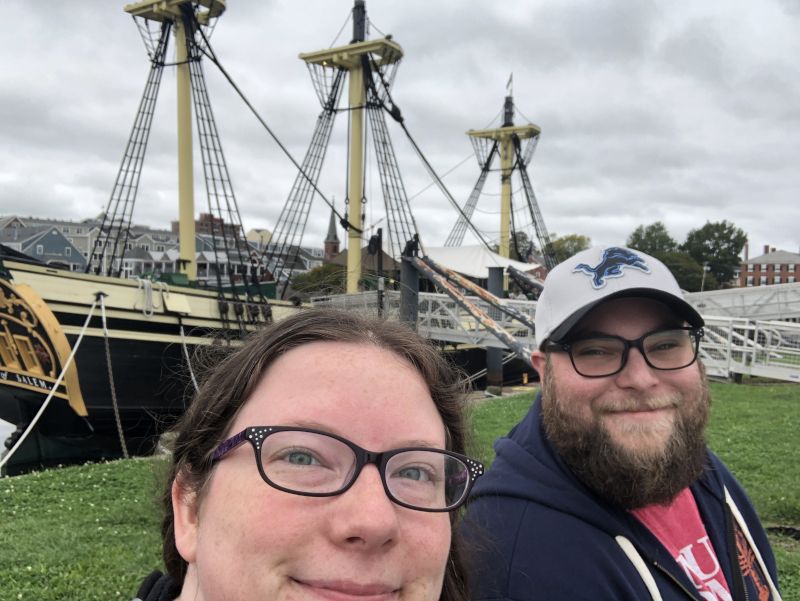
(248, 540)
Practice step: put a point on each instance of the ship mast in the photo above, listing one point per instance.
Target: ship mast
(186, 231)
(351, 59)
(508, 137)
(179, 13)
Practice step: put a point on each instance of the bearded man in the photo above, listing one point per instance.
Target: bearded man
(606, 489)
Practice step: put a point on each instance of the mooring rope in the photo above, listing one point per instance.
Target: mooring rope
(101, 296)
(188, 359)
(39, 413)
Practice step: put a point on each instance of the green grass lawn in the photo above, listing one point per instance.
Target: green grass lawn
(92, 532)
(87, 532)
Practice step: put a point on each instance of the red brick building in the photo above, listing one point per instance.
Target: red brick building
(209, 225)
(772, 267)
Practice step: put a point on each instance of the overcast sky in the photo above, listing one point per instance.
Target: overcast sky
(676, 111)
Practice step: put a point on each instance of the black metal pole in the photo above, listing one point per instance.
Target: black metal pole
(380, 272)
(359, 21)
(409, 292)
(508, 112)
(494, 356)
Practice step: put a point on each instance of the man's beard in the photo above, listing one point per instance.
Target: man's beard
(628, 478)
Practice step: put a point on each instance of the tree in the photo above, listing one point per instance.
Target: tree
(653, 239)
(687, 271)
(717, 245)
(325, 279)
(563, 247)
(519, 246)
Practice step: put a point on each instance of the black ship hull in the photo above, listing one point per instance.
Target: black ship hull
(148, 336)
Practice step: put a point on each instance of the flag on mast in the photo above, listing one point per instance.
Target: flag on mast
(509, 85)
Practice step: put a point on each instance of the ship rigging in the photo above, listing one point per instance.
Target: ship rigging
(148, 328)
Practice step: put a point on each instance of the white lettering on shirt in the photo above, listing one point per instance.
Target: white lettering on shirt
(706, 580)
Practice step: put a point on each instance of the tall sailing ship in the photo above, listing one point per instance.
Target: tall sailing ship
(132, 340)
(95, 365)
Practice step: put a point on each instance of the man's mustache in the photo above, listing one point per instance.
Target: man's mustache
(645, 404)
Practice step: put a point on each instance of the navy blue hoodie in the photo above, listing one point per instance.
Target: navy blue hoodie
(535, 532)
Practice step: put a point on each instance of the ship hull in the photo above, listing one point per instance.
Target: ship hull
(45, 313)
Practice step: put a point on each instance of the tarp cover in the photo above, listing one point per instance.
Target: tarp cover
(473, 261)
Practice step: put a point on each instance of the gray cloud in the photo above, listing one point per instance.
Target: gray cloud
(681, 112)
(696, 51)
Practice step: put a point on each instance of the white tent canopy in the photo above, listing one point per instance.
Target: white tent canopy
(473, 261)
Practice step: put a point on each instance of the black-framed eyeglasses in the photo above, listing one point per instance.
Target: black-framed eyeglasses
(598, 356)
(313, 463)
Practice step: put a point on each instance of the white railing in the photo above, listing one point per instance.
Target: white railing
(365, 303)
(732, 345)
(440, 317)
(778, 301)
(755, 348)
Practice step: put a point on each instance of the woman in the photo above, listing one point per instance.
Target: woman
(319, 461)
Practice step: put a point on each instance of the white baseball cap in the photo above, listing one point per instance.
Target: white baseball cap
(577, 285)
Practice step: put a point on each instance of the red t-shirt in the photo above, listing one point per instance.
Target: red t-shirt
(679, 528)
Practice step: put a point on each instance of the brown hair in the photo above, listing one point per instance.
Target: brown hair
(230, 381)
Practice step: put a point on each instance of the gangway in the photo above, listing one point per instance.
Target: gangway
(440, 317)
(731, 346)
(480, 315)
(470, 286)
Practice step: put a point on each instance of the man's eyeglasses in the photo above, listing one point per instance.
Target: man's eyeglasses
(312, 463)
(598, 356)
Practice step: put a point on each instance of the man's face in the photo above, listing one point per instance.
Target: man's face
(635, 437)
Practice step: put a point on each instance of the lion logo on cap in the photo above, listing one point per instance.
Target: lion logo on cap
(611, 265)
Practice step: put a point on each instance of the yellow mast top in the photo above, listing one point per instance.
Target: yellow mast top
(384, 51)
(505, 137)
(168, 10)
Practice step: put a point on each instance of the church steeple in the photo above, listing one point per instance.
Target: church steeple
(332, 239)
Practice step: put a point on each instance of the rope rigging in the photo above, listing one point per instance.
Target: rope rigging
(226, 229)
(281, 257)
(485, 148)
(101, 296)
(456, 236)
(341, 29)
(394, 111)
(228, 241)
(282, 252)
(209, 53)
(112, 242)
(545, 244)
(400, 220)
(185, 349)
(444, 175)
